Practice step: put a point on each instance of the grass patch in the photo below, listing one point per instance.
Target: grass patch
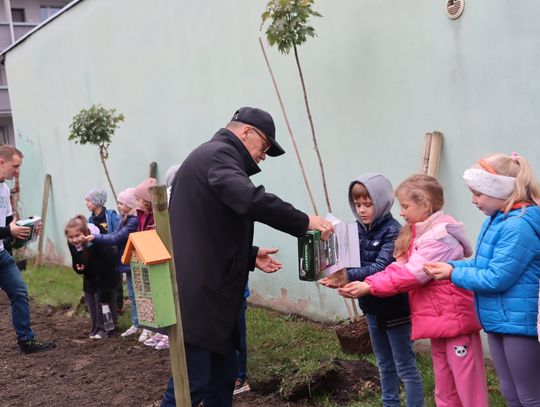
(57, 286)
(281, 346)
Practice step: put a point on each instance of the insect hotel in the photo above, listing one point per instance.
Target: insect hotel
(149, 260)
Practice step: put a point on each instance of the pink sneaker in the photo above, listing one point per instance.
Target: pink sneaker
(153, 340)
(163, 343)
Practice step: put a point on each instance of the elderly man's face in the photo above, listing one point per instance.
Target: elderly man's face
(256, 143)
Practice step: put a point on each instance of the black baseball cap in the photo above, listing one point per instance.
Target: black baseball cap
(263, 121)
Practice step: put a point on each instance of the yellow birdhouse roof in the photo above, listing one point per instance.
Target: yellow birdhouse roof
(148, 246)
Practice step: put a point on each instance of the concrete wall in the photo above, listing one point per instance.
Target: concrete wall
(380, 74)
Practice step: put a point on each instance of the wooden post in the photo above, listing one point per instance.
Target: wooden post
(429, 164)
(152, 170)
(44, 207)
(435, 153)
(176, 336)
(424, 162)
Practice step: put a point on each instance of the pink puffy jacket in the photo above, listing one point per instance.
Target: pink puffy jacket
(439, 309)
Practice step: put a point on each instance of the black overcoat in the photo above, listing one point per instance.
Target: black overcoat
(213, 207)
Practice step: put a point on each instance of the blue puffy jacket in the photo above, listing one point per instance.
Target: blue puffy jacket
(119, 239)
(505, 271)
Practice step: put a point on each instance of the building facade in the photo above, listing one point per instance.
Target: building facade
(380, 74)
(17, 18)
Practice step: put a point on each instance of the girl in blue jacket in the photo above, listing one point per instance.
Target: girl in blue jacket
(128, 224)
(505, 271)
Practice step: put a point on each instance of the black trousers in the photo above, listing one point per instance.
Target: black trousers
(211, 378)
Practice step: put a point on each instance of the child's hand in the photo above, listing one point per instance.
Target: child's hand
(438, 270)
(355, 289)
(335, 280)
(88, 238)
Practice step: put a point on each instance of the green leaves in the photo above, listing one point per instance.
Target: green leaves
(95, 125)
(288, 25)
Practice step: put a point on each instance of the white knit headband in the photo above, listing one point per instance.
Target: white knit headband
(493, 185)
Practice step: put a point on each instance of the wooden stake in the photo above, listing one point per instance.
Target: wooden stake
(176, 335)
(424, 162)
(44, 207)
(348, 306)
(152, 170)
(355, 310)
(435, 153)
(293, 139)
(429, 164)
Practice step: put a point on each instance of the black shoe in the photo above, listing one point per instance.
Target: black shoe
(33, 346)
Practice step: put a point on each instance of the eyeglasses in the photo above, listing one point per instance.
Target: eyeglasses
(266, 142)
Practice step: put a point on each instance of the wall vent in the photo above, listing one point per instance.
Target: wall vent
(454, 8)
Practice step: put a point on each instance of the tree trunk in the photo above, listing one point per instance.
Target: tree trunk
(102, 156)
(312, 129)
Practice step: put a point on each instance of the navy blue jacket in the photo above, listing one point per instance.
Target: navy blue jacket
(376, 252)
(119, 238)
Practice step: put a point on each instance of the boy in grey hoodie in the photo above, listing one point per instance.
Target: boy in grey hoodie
(371, 197)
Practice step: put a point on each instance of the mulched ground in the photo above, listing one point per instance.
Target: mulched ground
(84, 372)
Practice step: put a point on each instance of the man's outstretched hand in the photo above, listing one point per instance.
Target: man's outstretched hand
(267, 263)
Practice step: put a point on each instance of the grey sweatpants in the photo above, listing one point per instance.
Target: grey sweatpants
(517, 361)
(96, 316)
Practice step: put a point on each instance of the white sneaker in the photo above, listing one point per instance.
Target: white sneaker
(132, 330)
(145, 334)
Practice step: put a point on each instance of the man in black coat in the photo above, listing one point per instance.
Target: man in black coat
(213, 208)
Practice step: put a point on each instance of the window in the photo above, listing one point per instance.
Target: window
(46, 12)
(4, 136)
(3, 78)
(18, 15)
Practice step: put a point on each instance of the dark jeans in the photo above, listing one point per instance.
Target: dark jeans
(211, 378)
(120, 294)
(13, 284)
(396, 360)
(517, 361)
(241, 354)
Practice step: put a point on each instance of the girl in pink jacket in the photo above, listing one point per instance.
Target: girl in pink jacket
(440, 311)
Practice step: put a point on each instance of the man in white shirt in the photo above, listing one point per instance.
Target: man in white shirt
(11, 280)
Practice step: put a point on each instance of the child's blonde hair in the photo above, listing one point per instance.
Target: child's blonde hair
(78, 222)
(423, 190)
(526, 189)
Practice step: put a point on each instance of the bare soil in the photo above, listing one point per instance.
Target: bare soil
(120, 372)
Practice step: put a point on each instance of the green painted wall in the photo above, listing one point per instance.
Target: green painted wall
(380, 74)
